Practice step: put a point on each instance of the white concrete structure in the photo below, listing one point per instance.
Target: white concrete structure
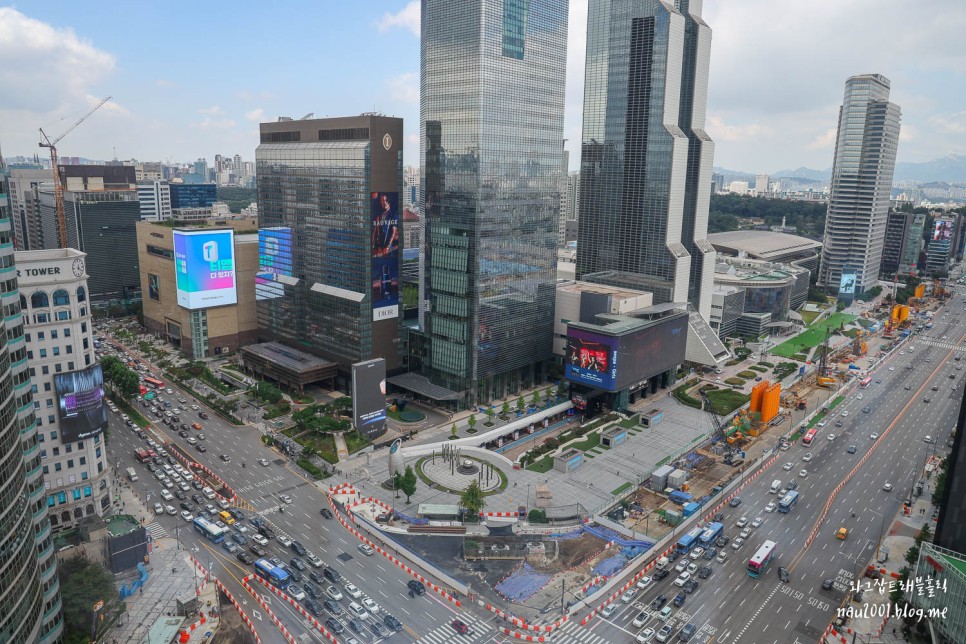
(155, 200)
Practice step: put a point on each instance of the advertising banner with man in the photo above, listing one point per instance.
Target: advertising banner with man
(384, 207)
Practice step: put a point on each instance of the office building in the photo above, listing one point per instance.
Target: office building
(727, 307)
(768, 246)
(717, 183)
(154, 199)
(645, 177)
(761, 184)
(769, 287)
(491, 165)
(411, 192)
(30, 602)
(101, 209)
(23, 180)
(865, 157)
(572, 212)
(941, 251)
(329, 214)
(178, 308)
(564, 200)
(898, 227)
(148, 171)
(914, 244)
(193, 195)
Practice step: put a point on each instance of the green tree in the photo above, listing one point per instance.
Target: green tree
(397, 483)
(472, 499)
(490, 413)
(940, 486)
(82, 584)
(410, 296)
(537, 516)
(452, 430)
(505, 411)
(535, 399)
(471, 421)
(267, 392)
(548, 394)
(521, 403)
(408, 482)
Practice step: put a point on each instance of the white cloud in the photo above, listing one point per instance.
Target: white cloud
(257, 115)
(112, 106)
(215, 124)
(824, 141)
(214, 110)
(949, 123)
(407, 18)
(721, 131)
(405, 87)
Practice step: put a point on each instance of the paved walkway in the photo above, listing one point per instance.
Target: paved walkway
(340, 447)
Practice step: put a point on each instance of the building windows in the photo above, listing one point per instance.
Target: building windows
(30, 356)
(56, 451)
(43, 353)
(70, 349)
(45, 370)
(81, 294)
(61, 298)
(53, 334)
(43, 453)
(57, 467)
(65, 315)
(39, 299)
(50, 421)
(70, 364)
(40, 335)
(46, 386)
(58, 368)
(67, 332)
(50, 405)
(70, 463)
(56, 351)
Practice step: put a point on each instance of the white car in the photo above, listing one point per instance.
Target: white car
(167, 496)
(831, 437)
(682, 579)
(757, 522)
(334, 593)
(170, 509)
(745, 533)
(641, 619)
(845, 413)
(696, 553)
(315, 561)
(742, 522)
(873, 436)
(692, 568)
(887, 487)
(259, 539)
(803, 473)
(807, 458)
(357, 611)
(629, 595)
(770, 507)
(194, 407)
(192, 440)
(284, 539)
(285, 498)
(295, 592)
(366, 549)
(681, 566)
(608, 610)
(352, 591)
(263, 462)
(645, 636)
(168, 483)
(187, 516)
(787, 466)
(737, 543)
(644, 583)
(170, 391)
(370, 605)
(158, 508)
(892, 368)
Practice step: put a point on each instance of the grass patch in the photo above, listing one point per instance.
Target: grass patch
(680, 394)
(732, 363)
(801, 357)
(734, 381)
(765, 364)
(629, 423)
(312, 469)
(542, 466)
(323, 444)
(622, 488)
(355, 441)
(809, 316)
(725, 401)
(592, 441)
(759, 369)
(850, 333)
(813, 336)
(747, 375)
(276, 410)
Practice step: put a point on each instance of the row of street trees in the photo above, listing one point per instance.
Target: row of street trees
(124, 379)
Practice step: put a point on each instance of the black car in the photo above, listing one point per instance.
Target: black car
(298, 563)
(783, 574)
(705, 572)
(158, 460)
(721, 541)
(334, 625)
(152, 468)
(674, 555)
(197, 485)
(266, 532)
(356, 625)
(201, 448)
(258, 550)
(791, 485)
(236, 514)
(851, 449)
(312, 606)
(661, 574)
(332, 606)
(414, 585)
(326, 513)
(225, 457)
(293, 573)
(298, 548)
(827, 584)
(187, 507)
(379, 630)
(659, 602)
(317, 577)
(183, 434)
(142, 435)
(333, 575)
(690, 586)
(258, 522)
(679, 599)
(392, 622)
(197, 498)
(202, 415)
(710, 553)
(866, 410)
(735, 502)
(244, 557)
(312, 591)
(239, 538)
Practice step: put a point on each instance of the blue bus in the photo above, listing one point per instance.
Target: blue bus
(209, 530)
(687, 543)
(788, 502)
(712, 532)
(274, 575)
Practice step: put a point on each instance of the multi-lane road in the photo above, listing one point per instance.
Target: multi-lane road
(730, 606)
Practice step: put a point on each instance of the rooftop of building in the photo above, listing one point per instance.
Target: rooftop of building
(287, 357)
(744, 271)
(762, 244)
(601, 289)
(618, 325)
(47, 255)
(121, 524)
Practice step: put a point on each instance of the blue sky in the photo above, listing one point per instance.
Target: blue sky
(193, 79)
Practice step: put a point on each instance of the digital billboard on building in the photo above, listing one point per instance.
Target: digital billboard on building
(80, 401)
(384, 208)
(369, 397)
(274, 260)
(847, 283)
(650, 351)
(943, 230)
(591, 359)
(205, 268)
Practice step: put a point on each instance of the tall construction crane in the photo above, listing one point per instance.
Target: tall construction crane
(719, 434)
(59, 189)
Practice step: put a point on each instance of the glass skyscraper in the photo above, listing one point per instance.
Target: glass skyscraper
(491, 127)
(645, 167)
(865, 157)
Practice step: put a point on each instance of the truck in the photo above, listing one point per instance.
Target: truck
(662, 563)
(824, 381)
(131, 474)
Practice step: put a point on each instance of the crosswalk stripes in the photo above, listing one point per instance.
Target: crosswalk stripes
(572, 631)
(943, 345)
(444, 634)
(156, 530)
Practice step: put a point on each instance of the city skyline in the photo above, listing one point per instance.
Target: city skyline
(180, 94)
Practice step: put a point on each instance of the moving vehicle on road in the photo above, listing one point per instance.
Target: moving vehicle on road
(809, 437)
(689, 541)
(788, 502)
(275, 575)
(154, 382)
(209, 530)
(759, 562)
(712, 532)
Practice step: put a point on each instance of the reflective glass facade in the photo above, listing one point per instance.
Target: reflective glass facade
(865, 157)
(491, 124)
(316, 180)
(645, 176)
(30, 604)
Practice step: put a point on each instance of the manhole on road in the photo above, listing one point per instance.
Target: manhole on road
(344, 557)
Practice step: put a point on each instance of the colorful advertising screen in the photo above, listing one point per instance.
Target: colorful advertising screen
(591, 359)
(80, 401)
(274, 260)
(943, 230)
(369, 397)
(204, 264)
(384, 207)
(847, 283)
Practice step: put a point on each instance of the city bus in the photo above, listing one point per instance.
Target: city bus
(209, 530)
(154, 382)
(759, 563)
(809, 437)
(687, 543)
(272, 574)
(865, 382)
(712, 532)
(788, 502)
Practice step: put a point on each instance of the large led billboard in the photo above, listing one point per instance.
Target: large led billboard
(80, 401)
(204, 264)
(650, 351)
(274, 260)
(384, 208)
(591, 359)
(847, 283)
(943, 230)
(369, 397)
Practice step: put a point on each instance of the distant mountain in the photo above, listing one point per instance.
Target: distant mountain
(823, 176)
(734, 175)
(950, 168)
